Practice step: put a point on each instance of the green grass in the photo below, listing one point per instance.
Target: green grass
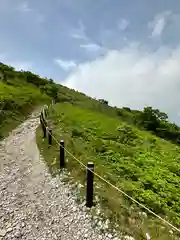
(16, 102)
(142, 165)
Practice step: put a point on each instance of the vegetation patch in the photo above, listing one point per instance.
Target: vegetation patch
(142, 165)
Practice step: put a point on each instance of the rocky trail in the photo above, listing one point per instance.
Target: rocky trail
(33, 204)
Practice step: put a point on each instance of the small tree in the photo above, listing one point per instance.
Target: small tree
(103, 101)
(151, 118)
(127, 109)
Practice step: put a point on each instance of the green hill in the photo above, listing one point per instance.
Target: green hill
(18, 98)
(149, 119)
(135, 150)
(144, 166)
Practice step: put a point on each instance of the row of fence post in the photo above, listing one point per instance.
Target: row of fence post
(62, 163)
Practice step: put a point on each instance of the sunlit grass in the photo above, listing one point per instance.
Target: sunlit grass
(142, 165)
(15, 104)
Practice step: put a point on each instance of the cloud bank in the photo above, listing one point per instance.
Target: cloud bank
(133, 77)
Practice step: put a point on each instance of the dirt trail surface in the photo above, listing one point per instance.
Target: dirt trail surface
(33, 204)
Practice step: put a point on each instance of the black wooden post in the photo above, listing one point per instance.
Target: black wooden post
(45, 112)
(41, 121)
(43, 126)
(49, 136)
(42, 117)
(89, 187)
(44, 129)
(62, 156)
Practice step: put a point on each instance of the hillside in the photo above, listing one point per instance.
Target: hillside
(124, 144)
(144, 166)
(18, 97)
(149, 119)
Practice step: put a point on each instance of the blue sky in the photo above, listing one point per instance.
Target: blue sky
(127, 52)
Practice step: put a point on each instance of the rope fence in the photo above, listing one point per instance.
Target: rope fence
(90, 172)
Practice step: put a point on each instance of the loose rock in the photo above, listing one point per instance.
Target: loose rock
(2, 232)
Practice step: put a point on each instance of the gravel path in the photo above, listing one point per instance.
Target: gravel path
(33, 205)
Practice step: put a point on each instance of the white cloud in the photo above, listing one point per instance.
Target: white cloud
(88, 44)
(159, 27)
(132, 77)
(93, 49)
(79, 33)
(122, 24)
(159, 23)
(23, 7)
(66, 65)
(78, 36)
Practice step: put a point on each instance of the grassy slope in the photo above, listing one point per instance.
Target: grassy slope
(141, 164)
(16, 101)
(82, 100)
